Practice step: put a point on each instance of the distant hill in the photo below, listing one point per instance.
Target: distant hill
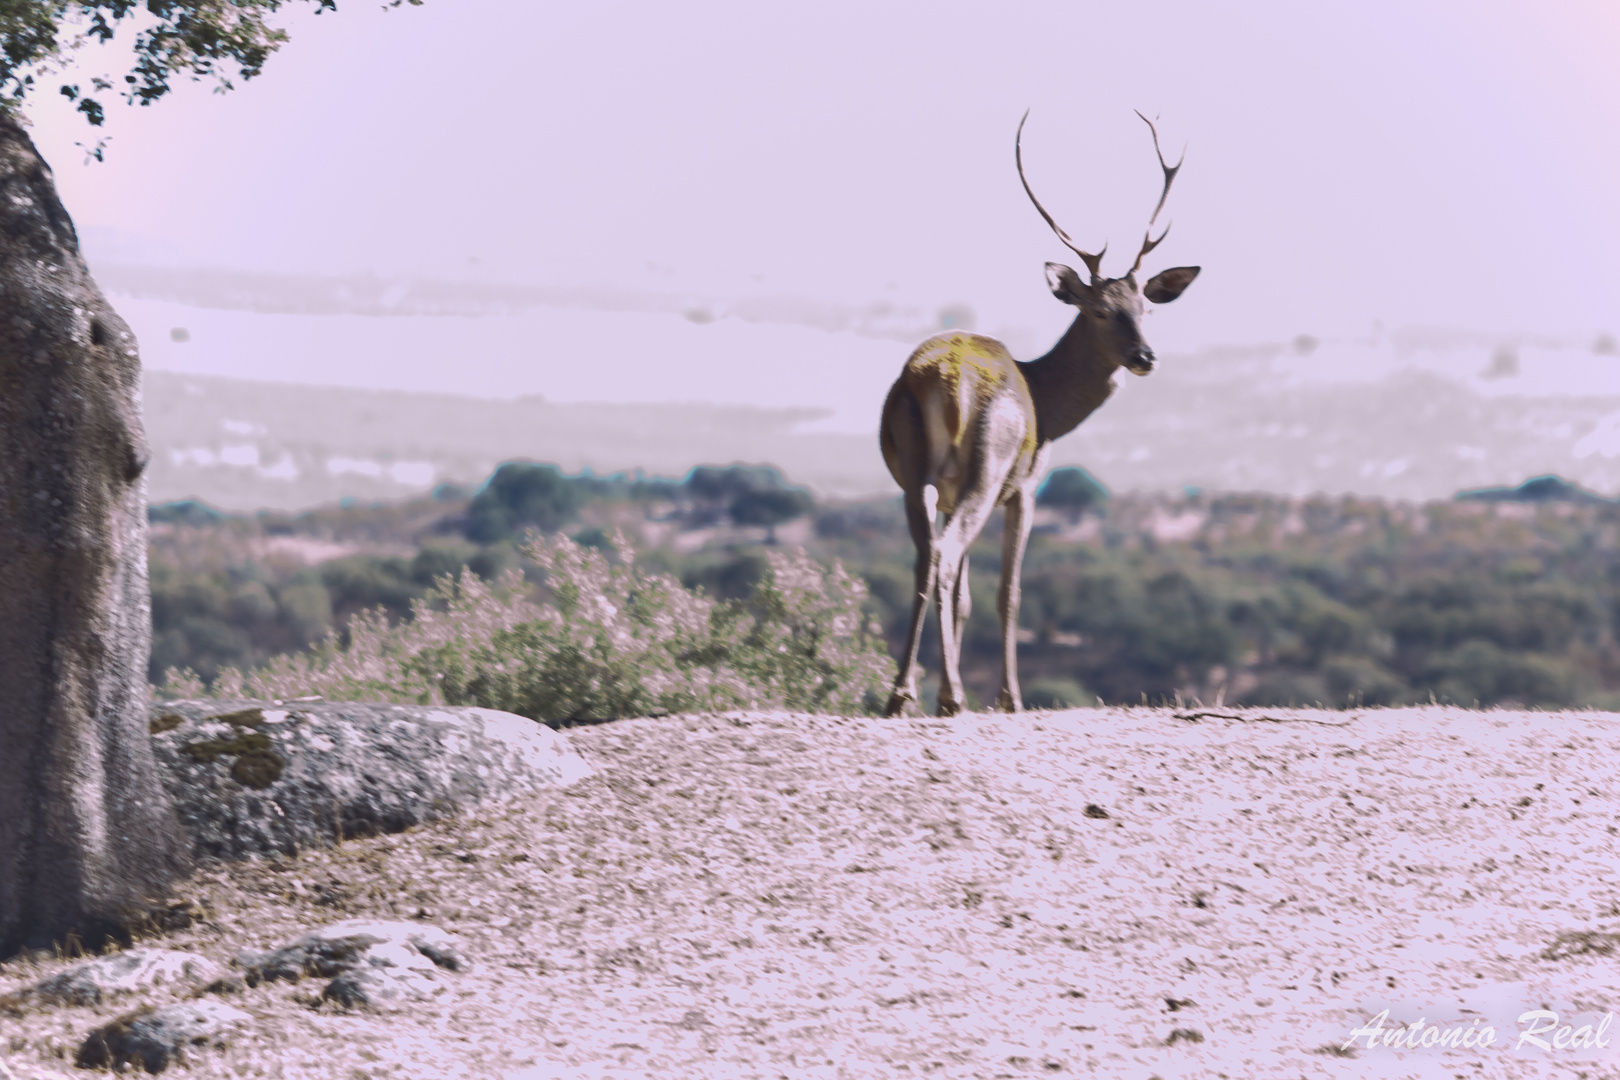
(242, 445)
(1231, 421)
(1222, 420)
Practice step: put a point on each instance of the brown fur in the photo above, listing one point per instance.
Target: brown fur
(967, 428)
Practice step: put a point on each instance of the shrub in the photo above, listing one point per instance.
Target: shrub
(520, 495)
(1481, 671)
(613, 641)
(715, 484)
(357, 583)
(771, 508)
(1361, 680)
(222, 618)
(1289, 687)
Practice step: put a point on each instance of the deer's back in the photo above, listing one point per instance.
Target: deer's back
(936, 410)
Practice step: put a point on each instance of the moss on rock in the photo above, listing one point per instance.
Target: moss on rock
(256, 765)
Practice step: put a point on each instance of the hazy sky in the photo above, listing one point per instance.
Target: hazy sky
(1439, 163)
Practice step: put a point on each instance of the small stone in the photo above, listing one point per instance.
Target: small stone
(376, 964)
(94, 981)
(442, 948)
(156, 1038)
(388, 976)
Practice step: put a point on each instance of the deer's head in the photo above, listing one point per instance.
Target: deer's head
(1112, 307)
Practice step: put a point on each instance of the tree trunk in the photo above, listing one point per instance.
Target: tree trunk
(88, 839)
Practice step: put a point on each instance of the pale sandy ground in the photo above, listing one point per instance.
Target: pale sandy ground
(795, 896)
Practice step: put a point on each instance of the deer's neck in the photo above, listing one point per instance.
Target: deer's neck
(1069, 382)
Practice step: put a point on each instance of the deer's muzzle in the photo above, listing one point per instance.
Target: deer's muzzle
(1140, 362)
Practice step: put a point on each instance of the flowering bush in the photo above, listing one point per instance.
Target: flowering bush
(613, 641)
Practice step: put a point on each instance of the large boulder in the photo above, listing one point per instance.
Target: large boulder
(260, 778)
(88, 846)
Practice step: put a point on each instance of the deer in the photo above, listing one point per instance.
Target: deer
(967, 428)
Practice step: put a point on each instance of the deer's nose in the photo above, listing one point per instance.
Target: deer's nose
(1141, 361)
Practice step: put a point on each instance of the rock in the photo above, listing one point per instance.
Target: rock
(377, 964)
(156, 1038)
(254, 778)
(86, 834)
(387, 976)
(93, 981)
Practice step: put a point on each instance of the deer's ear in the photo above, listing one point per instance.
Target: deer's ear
(1166, 286)
(1066, 284)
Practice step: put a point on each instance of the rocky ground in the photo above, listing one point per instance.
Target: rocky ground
(1113, 893)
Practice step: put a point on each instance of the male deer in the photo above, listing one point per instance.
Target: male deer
(967, 428)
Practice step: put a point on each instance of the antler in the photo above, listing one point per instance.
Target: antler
(1093, 262)
(1148, 243)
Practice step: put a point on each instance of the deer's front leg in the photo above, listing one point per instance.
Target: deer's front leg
(1014, 539)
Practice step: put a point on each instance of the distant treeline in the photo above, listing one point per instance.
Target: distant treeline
(522, 496)
(1513, 599)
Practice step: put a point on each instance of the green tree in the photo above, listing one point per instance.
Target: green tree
(1071, 490)
(771, 508)
(721, 485)
(522, 495)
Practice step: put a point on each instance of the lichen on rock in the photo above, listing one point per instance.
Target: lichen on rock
(263, 779)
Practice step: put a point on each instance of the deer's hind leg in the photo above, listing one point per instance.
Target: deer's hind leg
(962, 601)
(955, 594)
(921, 506)
(988, 459)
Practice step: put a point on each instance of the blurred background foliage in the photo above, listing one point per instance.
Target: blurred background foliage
(1243, 599)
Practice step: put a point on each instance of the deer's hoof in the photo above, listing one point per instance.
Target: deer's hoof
(898, 702)
(947, 707)
(1005, 702)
